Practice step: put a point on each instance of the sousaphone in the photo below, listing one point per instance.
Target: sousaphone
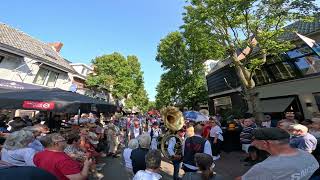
(173, 121)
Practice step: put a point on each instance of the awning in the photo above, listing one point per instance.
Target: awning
(275, 105)
(17, 95)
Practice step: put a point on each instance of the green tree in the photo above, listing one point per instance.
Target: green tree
(183, 83)
(151, 105)
(122, 77)
(254, 26)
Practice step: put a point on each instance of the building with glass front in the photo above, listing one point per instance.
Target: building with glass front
(287, 82)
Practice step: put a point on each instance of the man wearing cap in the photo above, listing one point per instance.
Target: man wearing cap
(284, 162)
(154, 132)
(176, 158)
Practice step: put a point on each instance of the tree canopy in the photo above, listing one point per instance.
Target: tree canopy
(183, 83)
(122, 77)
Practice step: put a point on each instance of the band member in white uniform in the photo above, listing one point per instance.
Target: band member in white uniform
(155, 132)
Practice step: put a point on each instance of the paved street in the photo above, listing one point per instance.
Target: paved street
(228, 166)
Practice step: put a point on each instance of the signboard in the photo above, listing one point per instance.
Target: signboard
(222, 101)
(39, 105)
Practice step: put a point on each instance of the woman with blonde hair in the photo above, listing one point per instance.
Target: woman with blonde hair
(16, 151)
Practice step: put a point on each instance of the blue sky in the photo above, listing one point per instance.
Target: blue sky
(89, 28)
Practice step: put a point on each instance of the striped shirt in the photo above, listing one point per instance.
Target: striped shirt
(246, 134)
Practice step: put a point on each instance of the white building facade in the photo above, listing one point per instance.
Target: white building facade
(26, 59)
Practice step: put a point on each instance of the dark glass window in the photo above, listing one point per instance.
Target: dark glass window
(282, 71)
(261, 76)
(308, 64)
(275, 59)
(304, 50)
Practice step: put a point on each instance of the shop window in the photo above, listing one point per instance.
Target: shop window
(308, 64)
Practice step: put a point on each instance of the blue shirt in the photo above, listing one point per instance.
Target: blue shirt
(307, 142)
(36, 145)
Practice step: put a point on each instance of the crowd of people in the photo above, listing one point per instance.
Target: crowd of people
(76, 150)
(272, 149)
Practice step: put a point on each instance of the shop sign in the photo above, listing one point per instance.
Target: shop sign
(39, 105)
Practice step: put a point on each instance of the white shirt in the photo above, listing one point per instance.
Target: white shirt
(207, 150)
(171, 145)
(266, 124)
(126, 157)
(18, 157)
(146, 175)
(136, 132)
(156, 132)
(216, 130)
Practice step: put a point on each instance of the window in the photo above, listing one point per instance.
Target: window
(262, 77)
(308, 64)
(41, 76)
(275, 59)
(299, 52)
(53, 76)
(46, 77)
(83, 70)
(282, 71)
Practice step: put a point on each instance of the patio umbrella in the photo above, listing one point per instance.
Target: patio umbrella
(195, 116)
(153, 112)
(16, 95)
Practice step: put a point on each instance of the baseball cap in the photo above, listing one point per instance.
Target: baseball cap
(270, 134)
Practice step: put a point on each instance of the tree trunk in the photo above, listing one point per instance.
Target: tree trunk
(247, 84)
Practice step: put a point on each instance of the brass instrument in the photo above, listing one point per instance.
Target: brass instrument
(172, 118)
(174, 121)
